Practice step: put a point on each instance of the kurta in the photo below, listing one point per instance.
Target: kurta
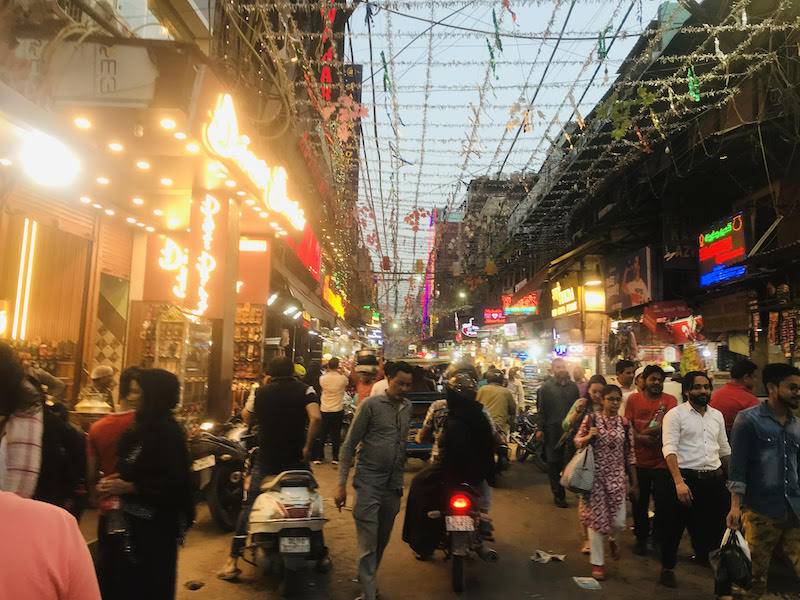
(610, 483)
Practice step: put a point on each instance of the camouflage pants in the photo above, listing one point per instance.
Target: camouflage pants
(764, 535)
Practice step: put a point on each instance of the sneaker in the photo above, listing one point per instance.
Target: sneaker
(640, 549)
(561, 503)
(334, 462)
(598, 573)
(667, 578)
(317, 462)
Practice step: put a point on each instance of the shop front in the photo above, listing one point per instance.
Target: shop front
(579, 323)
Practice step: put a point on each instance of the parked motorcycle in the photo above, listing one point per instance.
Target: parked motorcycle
(524, 436)
(462, 532)
(219, 462)
(286, 527)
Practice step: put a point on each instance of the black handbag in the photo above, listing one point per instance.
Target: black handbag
(731, 563)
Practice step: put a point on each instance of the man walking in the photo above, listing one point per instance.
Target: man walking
(697, 453)
(498, 401)
(646, 410)
(737, 394)
(625, 371)
(379, 431)
(765, 468)
(554, 399)
(333, 385)
(287, 413)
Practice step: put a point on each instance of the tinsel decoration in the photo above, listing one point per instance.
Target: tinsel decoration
(671, 94)
(602, 46)
(643, 142)
(492, 61)
(526, 122)
(507, 6)
(387, 80)
(578, 117)
(657, 124)
(497, 41)
(693, 83)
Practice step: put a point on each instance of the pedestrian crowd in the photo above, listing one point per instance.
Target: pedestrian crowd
(704, 462)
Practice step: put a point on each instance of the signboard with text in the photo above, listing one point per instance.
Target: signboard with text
(527, 305)
(565, 299)
(493, 316)
(722, 251)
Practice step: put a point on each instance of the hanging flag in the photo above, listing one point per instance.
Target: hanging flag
(507, 6)
(694, 84)
(387, 80)
(497, 41)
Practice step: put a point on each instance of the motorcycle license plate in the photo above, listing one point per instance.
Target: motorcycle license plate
(204, 463)
(295, 545)
(459, 523)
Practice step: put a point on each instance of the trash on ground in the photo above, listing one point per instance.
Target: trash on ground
(587, 583)
(540, 556)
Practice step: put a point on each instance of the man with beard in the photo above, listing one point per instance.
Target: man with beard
(646, 410)
(555, 398)
(765, 468)
(697, 453)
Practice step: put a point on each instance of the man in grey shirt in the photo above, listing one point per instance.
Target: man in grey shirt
(379, 431)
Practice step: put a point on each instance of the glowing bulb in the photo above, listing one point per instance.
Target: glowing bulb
(166, 181)
(5, 162)
(110, 212)
(85, 200)
(97, 206)
(48, 161)
(140, 224)
(250, 202)
(142, 165)
(149, 229)
(158, 212)
(116, 147)
(82, 123)
(192, 147)
(131, 220)
(230, 183)
(137, 201)
(103, 180)
(240, 193)
(168, 123)
(179, 135)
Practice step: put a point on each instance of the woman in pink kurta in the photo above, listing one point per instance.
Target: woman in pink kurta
(612, 441)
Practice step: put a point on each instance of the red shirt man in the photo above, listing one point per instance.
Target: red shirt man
(737, 394)
(644, 412)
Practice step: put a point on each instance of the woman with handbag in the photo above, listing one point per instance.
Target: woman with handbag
(604, 510)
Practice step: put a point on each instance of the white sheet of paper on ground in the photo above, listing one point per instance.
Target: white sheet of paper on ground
(540, 556)
(587, 583)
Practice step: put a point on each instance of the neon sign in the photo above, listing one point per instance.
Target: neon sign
(493, 316)
(721, 251)
(527, 305)
(223, 138)
(469, 329)
(564, 301)
(333, 299)
(175, 258)
(206, 263)
(326, 75)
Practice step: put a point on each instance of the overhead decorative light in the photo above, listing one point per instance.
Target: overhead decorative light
(103, 180)
(179, 135)
(4, 162)
(137, 201)
(142, 165)
(110, 212)
(149, 229)
(168, 124)
(193, 147)
(272, 298)
(116, 147)
(250, 202)
(263, 215)
(131, 220)
(97, 205)
(140, 224)
(85, 200)
(166, 181)
(47, 161)
(158, 212)
(241, 193)
(82, 123)
(230, 183)
(274, 225)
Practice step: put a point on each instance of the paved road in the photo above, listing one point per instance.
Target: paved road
(525, 519)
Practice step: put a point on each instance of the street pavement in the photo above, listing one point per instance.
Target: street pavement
(525, 520)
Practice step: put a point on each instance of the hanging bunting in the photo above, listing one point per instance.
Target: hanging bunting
(497, 41)
(671, 93)
(657, 124)
(578, 117)
(492, 62)
(507, 6)
(694, 84)
(387, 80)
(602, 46)
(744, 17)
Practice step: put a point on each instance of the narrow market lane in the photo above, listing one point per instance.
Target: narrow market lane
(525, 520)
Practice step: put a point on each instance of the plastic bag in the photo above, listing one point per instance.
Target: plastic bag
(731, 562)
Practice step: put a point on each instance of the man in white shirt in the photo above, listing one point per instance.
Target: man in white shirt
(697, 453)
(333, 384)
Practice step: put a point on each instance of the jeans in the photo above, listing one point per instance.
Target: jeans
(240, 535)
(331, 428)
(649, 480)
(705, 518)
(374, 512)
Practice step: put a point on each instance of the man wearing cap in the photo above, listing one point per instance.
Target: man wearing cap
(97, 396)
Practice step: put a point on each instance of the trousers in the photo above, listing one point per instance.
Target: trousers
(763, 534)
(554, 455)
(705, 518)
(240, 534)
(374, 512)
(653, 483)
(331, 428)
(597, 539)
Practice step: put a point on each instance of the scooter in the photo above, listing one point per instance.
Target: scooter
(286, 527)
(462, 525)
(524, 436)
(219, 462)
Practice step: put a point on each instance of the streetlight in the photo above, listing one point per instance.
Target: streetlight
(395, 326)
(462, 294)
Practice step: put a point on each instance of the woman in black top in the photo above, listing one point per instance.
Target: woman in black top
(155, 484)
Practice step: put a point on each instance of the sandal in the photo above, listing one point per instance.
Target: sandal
(598, 573)
(586, 548)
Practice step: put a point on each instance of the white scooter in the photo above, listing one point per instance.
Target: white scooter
(286, 526)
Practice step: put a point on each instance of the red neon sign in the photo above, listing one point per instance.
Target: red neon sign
(493, 316)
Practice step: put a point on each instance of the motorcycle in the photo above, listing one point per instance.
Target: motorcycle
(462, 532)
(524, 436)
(286, 525)
(219, 463)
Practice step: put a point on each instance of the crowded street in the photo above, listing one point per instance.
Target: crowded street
(399, 299)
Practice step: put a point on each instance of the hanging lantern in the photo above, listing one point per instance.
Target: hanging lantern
(386, 264)
(419, 266)
(491, 267)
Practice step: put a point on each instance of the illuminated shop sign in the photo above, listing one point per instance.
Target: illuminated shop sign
(328, 14)
(206, 263)
(173, 257)
(223, 138)
(469, 329)
(334, 300)
(722, 251)
(527, 305)
(493, 316)
(565, 300)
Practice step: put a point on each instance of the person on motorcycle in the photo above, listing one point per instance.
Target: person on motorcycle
(289, 419)
(466, 452)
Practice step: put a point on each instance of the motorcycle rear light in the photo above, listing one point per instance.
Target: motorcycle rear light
(460, 502)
